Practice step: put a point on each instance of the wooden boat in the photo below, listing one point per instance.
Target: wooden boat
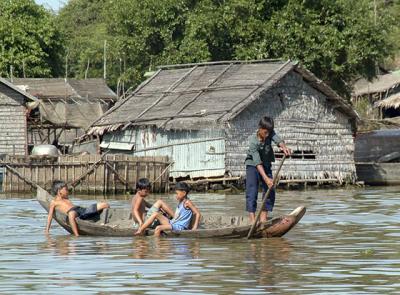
(118, 222)
(377, 157)
(375, 173)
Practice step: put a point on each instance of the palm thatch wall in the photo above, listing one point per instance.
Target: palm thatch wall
(13, 125)
(320, 136)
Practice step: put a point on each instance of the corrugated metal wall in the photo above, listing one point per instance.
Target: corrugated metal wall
(194, 153)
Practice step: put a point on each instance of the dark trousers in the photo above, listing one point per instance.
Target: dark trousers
(253, 180)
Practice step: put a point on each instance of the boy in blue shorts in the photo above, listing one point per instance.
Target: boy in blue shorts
(62, 203)
(182, 217)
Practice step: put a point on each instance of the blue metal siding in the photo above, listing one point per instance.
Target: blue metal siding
(194, 153)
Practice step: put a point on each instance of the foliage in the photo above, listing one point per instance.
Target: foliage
(337, 40)
(392, 8)
(30, 43)
(81, 22)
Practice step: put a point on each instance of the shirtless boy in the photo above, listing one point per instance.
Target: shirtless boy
(62, 203)
(139, 204)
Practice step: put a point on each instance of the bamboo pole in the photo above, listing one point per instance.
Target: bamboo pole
(91, 169)
(276, 179)
(163, 172)
(117, 175)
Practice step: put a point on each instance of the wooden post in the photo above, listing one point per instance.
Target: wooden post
(114, 178)
(73, 173)
(95, 180)
(137, 172)
(37, 174)
(5, 179)
(105, 177)
(126, 175)
(88, 180)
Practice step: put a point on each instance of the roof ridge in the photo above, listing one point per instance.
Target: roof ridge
(222, 62)
(17, 89)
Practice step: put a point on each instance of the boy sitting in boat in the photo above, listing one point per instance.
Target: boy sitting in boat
(184, 213)
(62, 203)
(139, 204)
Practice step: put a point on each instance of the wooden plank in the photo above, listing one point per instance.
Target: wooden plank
(126, 176)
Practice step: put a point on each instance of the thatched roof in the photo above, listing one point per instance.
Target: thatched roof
(58, 88)
(18, 90)
(381, 83)
(392, 101)
(197, 95)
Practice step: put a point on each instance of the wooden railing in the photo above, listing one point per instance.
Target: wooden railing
(89, 173)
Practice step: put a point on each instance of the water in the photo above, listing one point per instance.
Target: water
(347, 243)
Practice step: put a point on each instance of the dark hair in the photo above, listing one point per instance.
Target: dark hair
(143, 183)
(266, 123)
(182, 186)
(56, 186)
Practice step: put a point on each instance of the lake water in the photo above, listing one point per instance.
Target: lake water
(347, 243)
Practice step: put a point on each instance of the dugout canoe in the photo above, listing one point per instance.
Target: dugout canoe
(118, 222)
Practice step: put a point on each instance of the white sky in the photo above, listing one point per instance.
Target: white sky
(52, 4)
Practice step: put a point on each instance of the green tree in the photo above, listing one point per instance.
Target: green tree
(30, 43)
(145, 34)
(82, 25)
(337, 40)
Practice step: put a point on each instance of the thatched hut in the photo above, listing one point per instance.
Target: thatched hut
(14, 106)
(67, 107)
(202, 115)
(374, 99)
(390, 105)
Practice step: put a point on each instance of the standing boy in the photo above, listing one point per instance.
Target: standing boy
(260, 156)
(62, 203)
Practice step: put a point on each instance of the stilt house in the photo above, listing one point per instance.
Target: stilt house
(14, 107)
(202, 115)
(379, 98)
(67, 107)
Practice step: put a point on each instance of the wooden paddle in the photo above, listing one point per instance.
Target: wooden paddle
(265, 197)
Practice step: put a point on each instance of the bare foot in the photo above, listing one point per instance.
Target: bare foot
(138, 232)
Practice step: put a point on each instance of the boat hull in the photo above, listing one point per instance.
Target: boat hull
(108, 225)
(379, 173)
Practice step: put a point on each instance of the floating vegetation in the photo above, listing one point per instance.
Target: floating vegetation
(367, 252)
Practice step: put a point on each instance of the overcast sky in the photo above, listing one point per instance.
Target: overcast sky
(52, 4)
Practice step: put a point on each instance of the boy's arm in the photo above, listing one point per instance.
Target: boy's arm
(135, 211)
(276, 138)
(196, 213)
(147, 204)
(50, 216)
(281, 144)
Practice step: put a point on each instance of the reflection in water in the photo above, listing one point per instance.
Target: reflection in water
(264, 256)
(163, 248)
(347, 243)
(60, 245)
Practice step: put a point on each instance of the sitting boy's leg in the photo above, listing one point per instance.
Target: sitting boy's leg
(160, 204)
(71, 217)
(156, 215)
(148, 222)
(161, 228)
(102, 205)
